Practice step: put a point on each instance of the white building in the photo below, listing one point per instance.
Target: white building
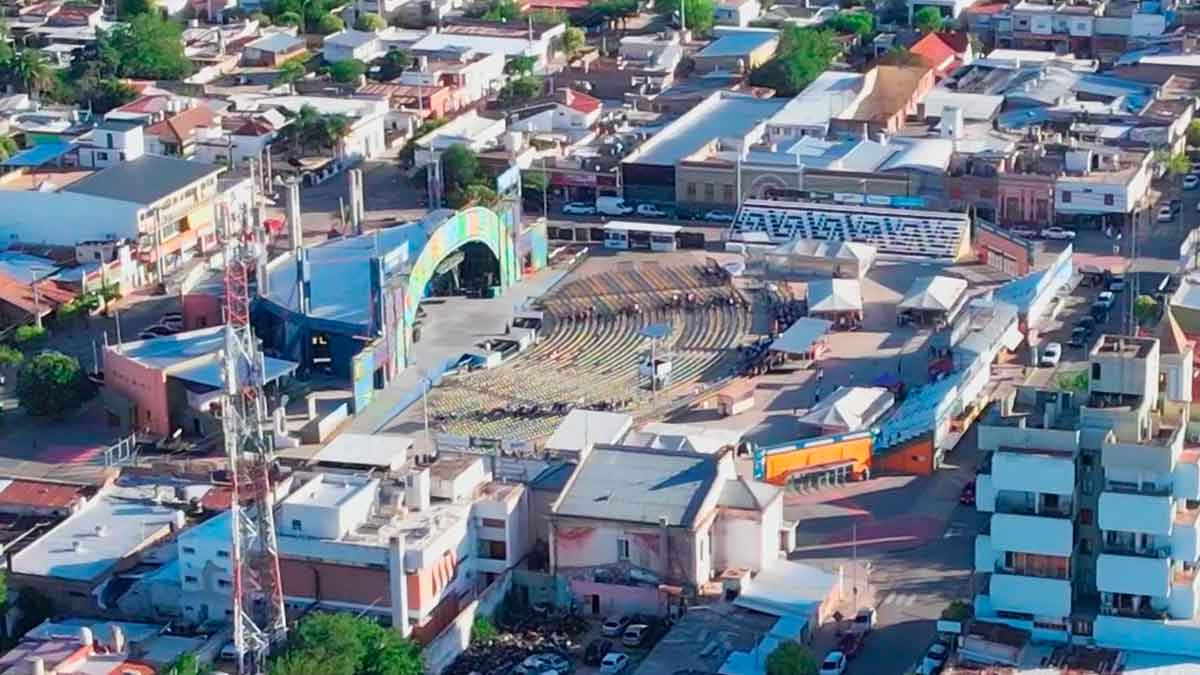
(469, 129)
(367, 116)
(1102, 180)
(112, 142)
(1094, 528)
(350, 44)
(736, 12)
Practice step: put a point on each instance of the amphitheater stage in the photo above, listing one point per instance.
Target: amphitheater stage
(452, 326)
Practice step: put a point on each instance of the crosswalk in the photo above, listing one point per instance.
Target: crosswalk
(899, 599)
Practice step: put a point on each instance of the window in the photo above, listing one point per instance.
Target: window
(190, 579)
(189, 550)
(1095, 371)
(622, 549)
(727, 194)
(222, 554)
(102, 156)
(1066, 196)
(1085, 546)
(691, 190)
(222, 583)
(1109, 200)
(709, 191)
(297, 525)
(1085, 516)
(494, 523)
(1043, 210)
(493, 550)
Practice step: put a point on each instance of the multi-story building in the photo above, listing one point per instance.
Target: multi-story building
(1093, 535)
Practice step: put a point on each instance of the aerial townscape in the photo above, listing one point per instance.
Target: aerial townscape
(599, 337)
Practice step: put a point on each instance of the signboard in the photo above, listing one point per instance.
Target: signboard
(879, 200)
(908, 202)
(362, 376)
(573, 179)
(848, 198)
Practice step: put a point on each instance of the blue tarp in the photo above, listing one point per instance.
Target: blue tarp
(38, 155)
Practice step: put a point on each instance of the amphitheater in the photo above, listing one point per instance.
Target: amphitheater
(591, 345)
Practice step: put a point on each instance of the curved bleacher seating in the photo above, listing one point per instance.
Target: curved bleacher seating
(590, 349)
(925, 233)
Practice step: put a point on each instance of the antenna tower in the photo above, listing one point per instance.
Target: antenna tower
(258, 615)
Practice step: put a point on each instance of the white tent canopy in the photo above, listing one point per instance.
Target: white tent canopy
(850, 408)
(834, 295)
(800, 337)
(934, 294)
(820, 254)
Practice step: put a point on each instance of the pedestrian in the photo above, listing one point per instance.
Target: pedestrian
(820, 375)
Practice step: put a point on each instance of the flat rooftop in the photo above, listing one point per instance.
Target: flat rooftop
(90, 543)
(330, 491)
(1124, 345)
(738, 42)
(723, 114)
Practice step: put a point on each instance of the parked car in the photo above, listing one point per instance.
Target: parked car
(1116, 284)
(1165, 214)
(596, 651)
(1099, 311)
(172, 322)
(546, 662)
(864, 620)
(834, 664)
(172, 316)
(579, 209)
(614, 663)
(635, 635)
(1191, 181)
(1079, 337)
(935, 659)
(1087, 323)
(1056, 232)
(1051, 355)
(613, 206)
(614, 626)
(850, 643)
(160, 329)
(147, 335)
(967, 496)
(1106, 298)
(718, 216)
(650, 211)
(1028, 232)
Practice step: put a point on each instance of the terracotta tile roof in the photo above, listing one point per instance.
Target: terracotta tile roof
(557, 5)
(151, 103)
(35, 493)
(182, 126)
(936, 52)
(20, 295)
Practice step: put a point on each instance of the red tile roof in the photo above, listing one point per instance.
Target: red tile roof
(557, 5)
(146, 104)
(183, 126)
(990, 8)
(20, 295)
(34, 493)
(941, 50)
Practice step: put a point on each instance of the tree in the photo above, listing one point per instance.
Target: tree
(901, 56)
(149, 47)
(520, 65)
(460, 167)
(52, 383)
(1076, 381)
(290, 19)
(1145, 309)
(291, 71)
(300, 129)
(32, 72)
(127, 9)
(572, 41)
(347, 71)
(393, 64)
(1193, 133)
(370, 23)
(502, 11)
(328, 23)
(803, 54)
(957, 611)
(928, 20)
(1175, 165)
(857, 23)
(789, 658)
(262, 19)
(699, 14)
(29, 336)
(187, 664)
(483, 630)
(8, 147)
(333, 129)
(521, 89)
(343, 644)
(535, 181)
(93, 83)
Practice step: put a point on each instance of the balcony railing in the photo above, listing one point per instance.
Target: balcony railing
(1148, 489)
(1037, 574)
(1026, 509)
(1143, 612)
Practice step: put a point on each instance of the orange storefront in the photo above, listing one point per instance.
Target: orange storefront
(834, 458)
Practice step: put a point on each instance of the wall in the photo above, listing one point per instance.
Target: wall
(453, 640)
(146, 388)
(616, 599)
(1020, 196)
(1002, 251)
(581, 543)
(737, 540)
(913, 457)
(775, 463)
(65, 218)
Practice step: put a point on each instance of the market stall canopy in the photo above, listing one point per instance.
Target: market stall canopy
(800, 337)
(834, 295)
(934, 294)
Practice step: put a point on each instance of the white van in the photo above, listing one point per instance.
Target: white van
(613, 206)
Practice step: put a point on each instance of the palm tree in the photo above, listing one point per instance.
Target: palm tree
(333, 129)
(300, 131)
(32, 71)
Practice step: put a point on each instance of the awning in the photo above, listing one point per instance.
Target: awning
(800, 337)
(834, 295)
(38, 155)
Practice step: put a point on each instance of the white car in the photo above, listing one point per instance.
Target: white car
(1166, 215)
(1191, 181)
(650, 211)
(613, 663)
(1106, 298)
(579, 209)
(1051, 354)
(1056, 232)
(934, 659)
(834, 664)
(718, 216)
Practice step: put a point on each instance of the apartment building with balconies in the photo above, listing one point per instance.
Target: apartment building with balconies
(1095, 499)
